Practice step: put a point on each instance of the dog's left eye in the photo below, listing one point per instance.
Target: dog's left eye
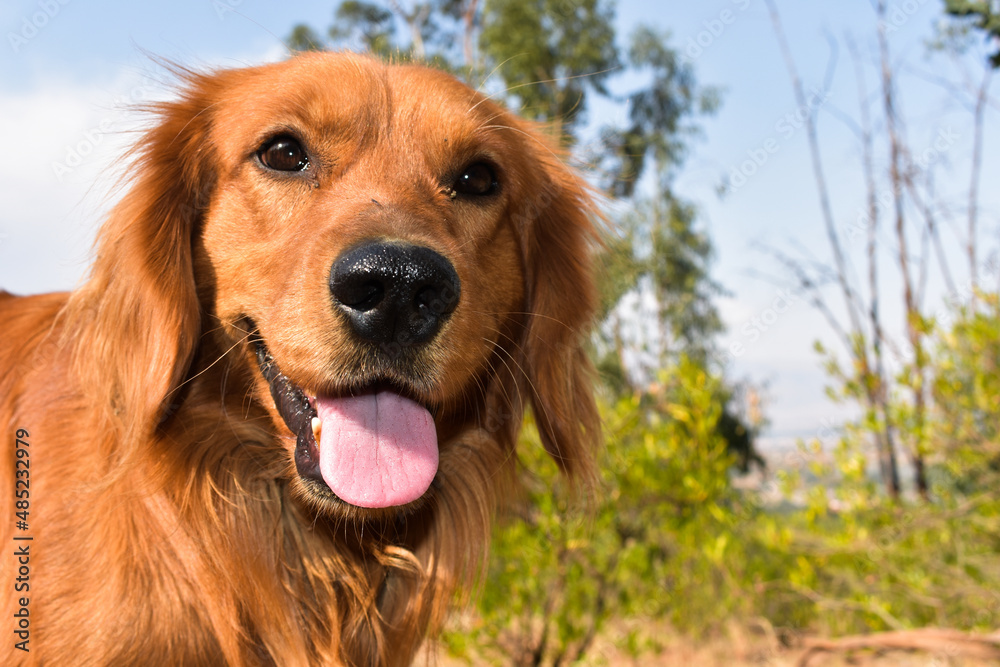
(476, 179)
(283, 153)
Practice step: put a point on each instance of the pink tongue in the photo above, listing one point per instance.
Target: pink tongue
(376, 450)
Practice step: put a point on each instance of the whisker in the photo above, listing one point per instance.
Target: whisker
(532, 83)
(488, 77)
(511, 451)
(527, 134)
(526, 313)
(217, 360)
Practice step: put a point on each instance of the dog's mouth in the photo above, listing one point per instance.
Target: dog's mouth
(371, 446)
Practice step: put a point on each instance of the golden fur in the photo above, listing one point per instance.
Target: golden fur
(168, 523)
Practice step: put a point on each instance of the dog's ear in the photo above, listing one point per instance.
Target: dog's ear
(136, 320)
(560, 239)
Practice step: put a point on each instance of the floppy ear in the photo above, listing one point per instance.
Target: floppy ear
(135, 322)
(559, 243)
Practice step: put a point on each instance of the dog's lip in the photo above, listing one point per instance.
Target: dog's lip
(294, 405)
(299, 414)
(297, 408)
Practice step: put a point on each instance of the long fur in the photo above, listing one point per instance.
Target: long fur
(167, 525)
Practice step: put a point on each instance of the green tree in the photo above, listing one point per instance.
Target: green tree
(660, 117)
(549, 52)
(433, 29)
(982, 16)
(661, 250)
(885, 564)
(665, 529)
(966, 389)
(658, 242)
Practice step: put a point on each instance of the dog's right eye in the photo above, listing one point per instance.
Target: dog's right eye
(477, 179)
(283, 153)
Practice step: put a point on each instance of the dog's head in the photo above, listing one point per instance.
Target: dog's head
(402, 264)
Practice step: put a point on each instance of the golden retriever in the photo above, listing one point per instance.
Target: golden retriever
(273, 424)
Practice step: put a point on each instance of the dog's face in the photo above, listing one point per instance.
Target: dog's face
(361, 226)
(401, 264)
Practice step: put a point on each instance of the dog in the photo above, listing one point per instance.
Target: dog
(274, 423)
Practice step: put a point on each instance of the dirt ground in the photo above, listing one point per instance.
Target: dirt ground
(693, 656)
(760, 647)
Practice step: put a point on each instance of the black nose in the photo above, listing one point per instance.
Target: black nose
(394, 292)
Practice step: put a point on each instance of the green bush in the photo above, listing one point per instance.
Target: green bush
(668, 539)
(663, 538)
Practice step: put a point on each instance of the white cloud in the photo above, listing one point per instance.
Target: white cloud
(59, 163)
(62, 157)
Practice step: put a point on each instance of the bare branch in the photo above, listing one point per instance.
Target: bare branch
(897, 182)
(977, 162)
(840, 260)
(468, 18)
(809, 286)
(930, 219)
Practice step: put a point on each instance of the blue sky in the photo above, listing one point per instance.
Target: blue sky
(70, 68)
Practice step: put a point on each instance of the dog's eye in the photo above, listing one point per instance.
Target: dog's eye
(476, 179)
(283, 153)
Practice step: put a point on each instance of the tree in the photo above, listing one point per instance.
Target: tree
(549, 53)
(903, 203)
(660, 254)
(433, 28)
(982, 16)
(659, 125)
(658, 248)
(556, 580)
(966, 388)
